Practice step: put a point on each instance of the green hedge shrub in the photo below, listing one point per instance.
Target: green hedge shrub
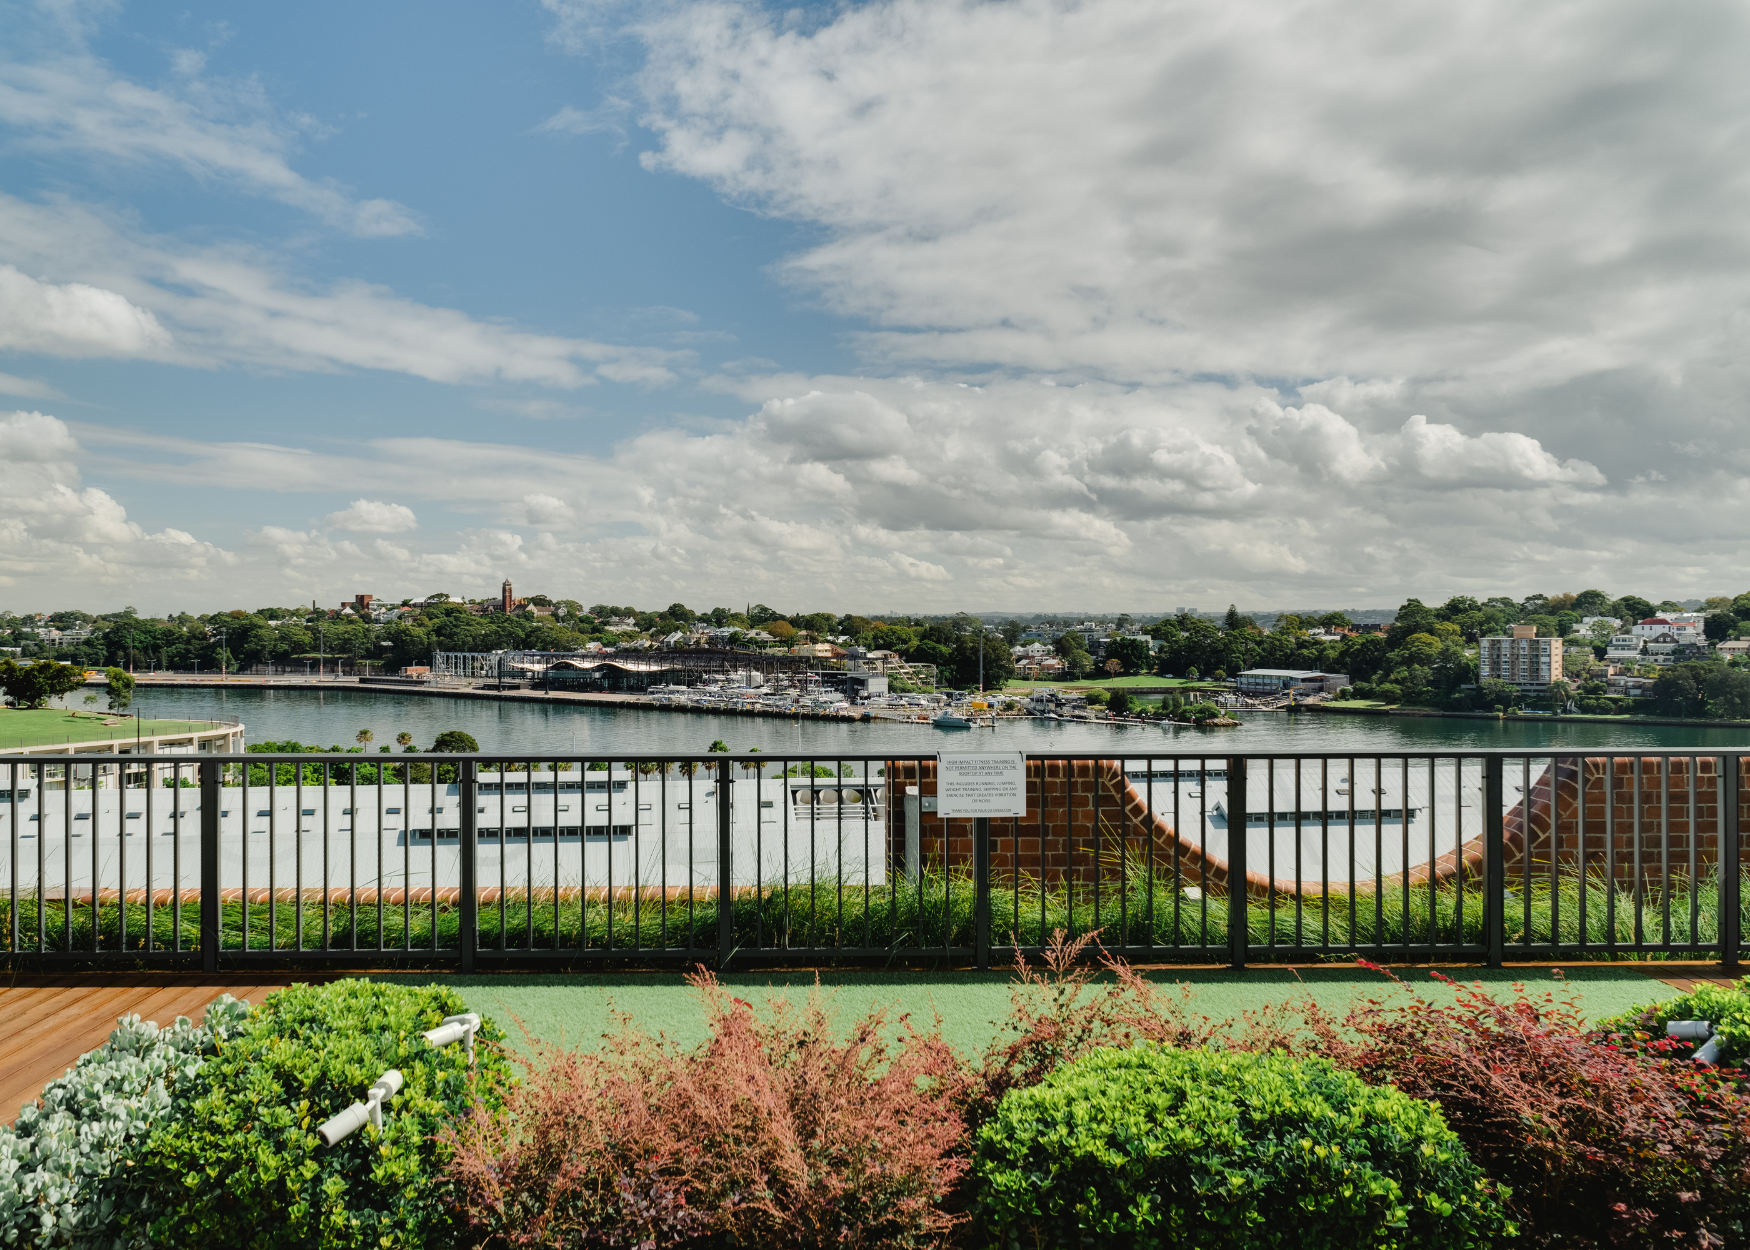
(1728, 1008)
(236, 1162)
(59, 1162)
(1155, 1148)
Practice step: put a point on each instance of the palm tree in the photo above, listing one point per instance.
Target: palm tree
(364, 737)
(403, 739)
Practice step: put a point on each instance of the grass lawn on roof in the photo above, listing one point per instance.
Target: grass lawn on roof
(39, 727)
(576, 1009)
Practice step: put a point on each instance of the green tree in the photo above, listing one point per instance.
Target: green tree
(718, 746)
(1119, 702)
(1132, 654)
(32, 686)
(1560, 695)
(120, 684)
(1414, 617)
(1233, 620)
(1631, 608)
(364, 737)
(1677, 690)
(1592, 603)
(1728, 693)
(454, 741)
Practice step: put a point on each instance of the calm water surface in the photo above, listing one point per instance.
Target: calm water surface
(330, 717)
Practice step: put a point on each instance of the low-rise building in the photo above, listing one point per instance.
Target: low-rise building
(1623, 649)
(1277, 680)
(1522, 659)
(1732, 648)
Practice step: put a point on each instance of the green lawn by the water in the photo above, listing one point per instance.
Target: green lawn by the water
(37, 727)
(1104, 683)
(575, 1009)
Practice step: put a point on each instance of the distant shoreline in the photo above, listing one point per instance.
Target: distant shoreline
(1581, 718)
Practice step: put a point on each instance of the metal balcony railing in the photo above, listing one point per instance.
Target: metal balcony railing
(468, 860)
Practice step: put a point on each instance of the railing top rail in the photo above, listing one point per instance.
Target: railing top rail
(771, 757)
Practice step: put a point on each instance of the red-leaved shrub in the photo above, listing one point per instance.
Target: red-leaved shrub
(1602, 1143)
(781, 1130)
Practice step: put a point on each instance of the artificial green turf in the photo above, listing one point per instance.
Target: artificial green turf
(35, 727)
(575, 1009)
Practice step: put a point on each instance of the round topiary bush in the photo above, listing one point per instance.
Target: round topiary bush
(1156, 1148)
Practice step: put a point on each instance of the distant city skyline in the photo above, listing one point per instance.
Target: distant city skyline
(885, 302)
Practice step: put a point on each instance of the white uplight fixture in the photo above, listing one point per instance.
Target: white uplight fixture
(370, 1111)
(455, 1029)
(1696, 1031)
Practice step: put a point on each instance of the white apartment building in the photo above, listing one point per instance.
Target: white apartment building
(1529, 662)
(1623, 649)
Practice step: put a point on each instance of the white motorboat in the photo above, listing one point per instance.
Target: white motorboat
(951, 720)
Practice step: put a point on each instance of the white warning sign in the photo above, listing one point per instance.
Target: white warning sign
(988, 783)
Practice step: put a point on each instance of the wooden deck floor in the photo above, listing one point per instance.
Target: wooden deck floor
(47, 1022)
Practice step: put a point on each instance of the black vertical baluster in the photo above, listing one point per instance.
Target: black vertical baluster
(725, 869)
(1270, 852)
(327, 856)
(1299, 866)
(608, 897)
(1354, 779)
(504, 846)
(212, 779)
(1494, 860)
(121, 796)
(1203, 845)
(529, 848)
(1640, 936)
(1730, 779)
(1178, 874)
(352, 850)
(1433, 854)
(1099, 846)
(1665, 846)
(662, 852)
(1525, 857)
(467, 860)
(1150, 827)
(1238, 902)
(150, 943)
(1325, 852)
(1610, 853)
(813, 854)
(298, 848)
(1694, 766)
(1378, 851)
(17, 814)
(866, 806)
(1554, 853)
(406, 858)
(1583, 937)
(1403, 836)
(838, 841)
(382, 879)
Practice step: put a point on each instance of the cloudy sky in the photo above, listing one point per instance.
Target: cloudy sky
(912, 304)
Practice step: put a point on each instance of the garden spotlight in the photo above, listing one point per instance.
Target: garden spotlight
(370, 1111)
(1694, 1031)
(455, 1029)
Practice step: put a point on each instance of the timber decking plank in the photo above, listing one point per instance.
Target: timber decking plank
(73, 1019)
(56, 1051)
(38, 1019)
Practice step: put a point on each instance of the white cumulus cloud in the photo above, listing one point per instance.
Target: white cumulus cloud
(372, 516)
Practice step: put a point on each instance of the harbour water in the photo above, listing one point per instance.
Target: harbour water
(335, 717)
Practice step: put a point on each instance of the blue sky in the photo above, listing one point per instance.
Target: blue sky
(879, 306)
